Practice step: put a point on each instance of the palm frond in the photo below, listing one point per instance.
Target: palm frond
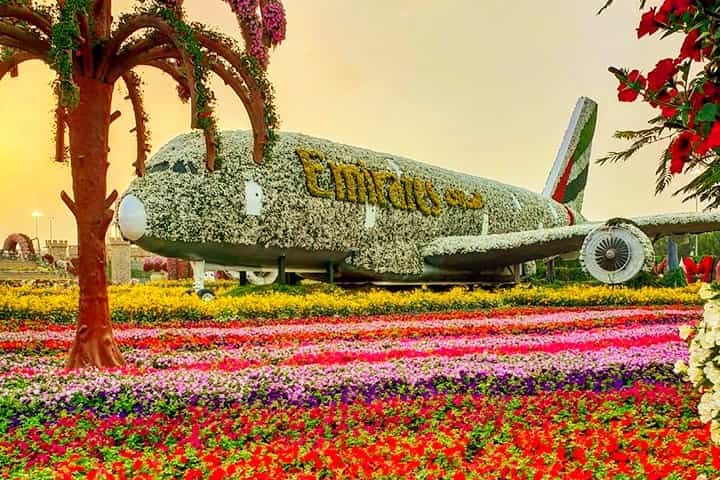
(610, 2)
(701, 186)
(663, 174)
(641, 139)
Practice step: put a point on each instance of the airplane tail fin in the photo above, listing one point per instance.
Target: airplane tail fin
(568, 177)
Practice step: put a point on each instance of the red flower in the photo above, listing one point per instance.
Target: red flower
(665, 101)
(661, 74)
(680, 150)
(578, 455)
(648, 25)
(629, 91)
(691, 47)
(712, 140)
(678, 7)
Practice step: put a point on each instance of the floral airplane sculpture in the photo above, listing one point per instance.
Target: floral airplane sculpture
(329, 211)
(90, 54)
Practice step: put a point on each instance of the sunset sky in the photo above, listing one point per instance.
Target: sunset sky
(484, 87)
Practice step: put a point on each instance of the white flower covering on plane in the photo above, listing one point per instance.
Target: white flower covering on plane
(489, 243)
(196, 206)
(704, 364)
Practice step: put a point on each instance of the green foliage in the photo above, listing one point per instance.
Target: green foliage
(674, 278)
(565, 271)
(645, 279)
(302, 289)
(255, 70)
(5, 54)
(65, 36)
(203, 94)
(707, 244)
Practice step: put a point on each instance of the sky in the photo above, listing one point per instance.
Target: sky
(485, 87)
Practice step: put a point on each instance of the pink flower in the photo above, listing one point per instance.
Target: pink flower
(274, 21)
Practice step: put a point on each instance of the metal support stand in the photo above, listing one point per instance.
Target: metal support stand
(673, 258)
(550, 271)
(517, 272)
(282, 277)
(331, 273)
(198, 268)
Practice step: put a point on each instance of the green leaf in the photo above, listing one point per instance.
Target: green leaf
(707, 113)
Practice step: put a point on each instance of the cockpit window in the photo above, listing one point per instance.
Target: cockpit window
(182, 167)
(178, 167)
(158, 167)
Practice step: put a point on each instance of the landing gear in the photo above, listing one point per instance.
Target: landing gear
(206, 295)
(198, 268)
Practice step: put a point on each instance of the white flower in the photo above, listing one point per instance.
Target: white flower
(695, 374)
(680, 367)
(712, 373)
(686, 331)
(698, 355)
(715, 431)
(706, 292)
(707, 338)
(706, 407)
(712, 317)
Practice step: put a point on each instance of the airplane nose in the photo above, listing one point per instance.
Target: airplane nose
(132, 218)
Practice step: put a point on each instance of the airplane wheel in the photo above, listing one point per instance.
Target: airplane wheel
(262, 278)
(616, 253)
(206, 295)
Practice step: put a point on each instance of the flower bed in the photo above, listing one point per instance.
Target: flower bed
(167, 302)
(514, 393)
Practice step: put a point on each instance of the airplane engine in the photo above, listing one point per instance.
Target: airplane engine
(262, 277)
(616, 252)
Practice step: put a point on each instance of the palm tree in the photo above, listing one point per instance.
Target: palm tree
(90, 54)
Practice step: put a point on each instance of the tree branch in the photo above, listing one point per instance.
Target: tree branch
(60, 124)
(27, 15)
(173, 71)
(127, 61)
(102, 13)
(69, 202)
(86, 50)
(12, 36)
(11, 64)
(132, 81)
(256, 106)
(110, 200)
(142, 22)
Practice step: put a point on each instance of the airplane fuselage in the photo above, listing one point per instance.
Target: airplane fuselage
(318, 202)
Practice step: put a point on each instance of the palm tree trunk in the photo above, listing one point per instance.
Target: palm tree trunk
(89, 126)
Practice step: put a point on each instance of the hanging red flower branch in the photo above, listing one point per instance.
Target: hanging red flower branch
(685, 90)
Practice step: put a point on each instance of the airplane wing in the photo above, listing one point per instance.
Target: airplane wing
(497, 250)
(656, 226)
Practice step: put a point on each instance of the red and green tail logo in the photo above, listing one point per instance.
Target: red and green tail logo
(568, 177)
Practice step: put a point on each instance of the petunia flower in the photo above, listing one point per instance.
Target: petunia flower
(691, 47)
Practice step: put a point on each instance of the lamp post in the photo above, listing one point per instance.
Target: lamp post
(50, 219)
(36, 215)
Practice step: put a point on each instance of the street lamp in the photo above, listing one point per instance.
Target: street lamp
(36, 215)
(50, 219)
